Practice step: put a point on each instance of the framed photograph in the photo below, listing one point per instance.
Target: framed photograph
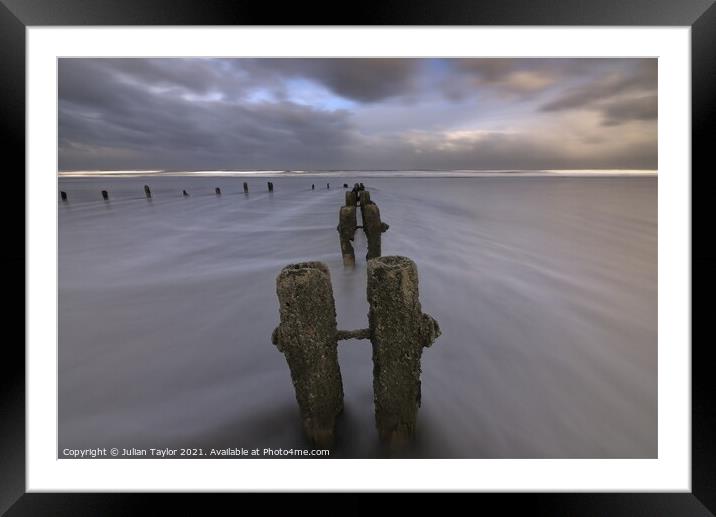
(445, 250)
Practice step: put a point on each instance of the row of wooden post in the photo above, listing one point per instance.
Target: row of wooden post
(148, 192)
(372, 225)
(398, 329)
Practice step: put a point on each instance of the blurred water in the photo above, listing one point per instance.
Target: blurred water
(545, 289)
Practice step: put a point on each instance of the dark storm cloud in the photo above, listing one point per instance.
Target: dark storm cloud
(619, 95)
(633, 108)
(168, 131)
(355, 113)
(362, 80)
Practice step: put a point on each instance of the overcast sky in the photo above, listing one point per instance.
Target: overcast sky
(205, 114)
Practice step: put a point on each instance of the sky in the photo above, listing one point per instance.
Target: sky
(352, 114)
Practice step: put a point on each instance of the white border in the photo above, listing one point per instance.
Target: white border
(671, 471)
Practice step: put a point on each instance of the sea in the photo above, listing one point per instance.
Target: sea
(544, 284)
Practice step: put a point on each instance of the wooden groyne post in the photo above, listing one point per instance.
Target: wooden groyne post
(63, 195)
(270, 186)
(246, 188)
(399, 331)
(307, 336)
(218, 191)
(372, 225)
(351, 198)
(184, 193)
(347, 224)
(397, 328)
(147, 192)
(105, 195)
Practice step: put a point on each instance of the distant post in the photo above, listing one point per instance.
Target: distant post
(147, 192)
(399, 331)
(185, 193)
(105, 195)
(270, 186)
(307, 336)
(246, 188)
(218, 191)
(63, 195)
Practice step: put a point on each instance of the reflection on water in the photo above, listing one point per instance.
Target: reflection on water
(545, 290)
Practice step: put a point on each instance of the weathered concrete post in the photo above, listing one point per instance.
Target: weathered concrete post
(307, 336)
(399, 330)
(63, 195)
(147, 192)
(105, 195)
(246, 188)
(218, 191)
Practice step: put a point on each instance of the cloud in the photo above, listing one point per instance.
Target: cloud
(363, 80)
(365, 113)
(546, 148)
(508, 75)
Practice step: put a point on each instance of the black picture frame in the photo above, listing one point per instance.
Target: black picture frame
(700, 15)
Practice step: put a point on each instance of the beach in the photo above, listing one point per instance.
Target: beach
(545, 289)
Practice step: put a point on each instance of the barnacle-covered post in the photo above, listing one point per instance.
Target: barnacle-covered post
(347, 224)
(307, 336)
(399, 330)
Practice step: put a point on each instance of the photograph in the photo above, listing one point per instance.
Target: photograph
(357, 257)
(437, 249)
